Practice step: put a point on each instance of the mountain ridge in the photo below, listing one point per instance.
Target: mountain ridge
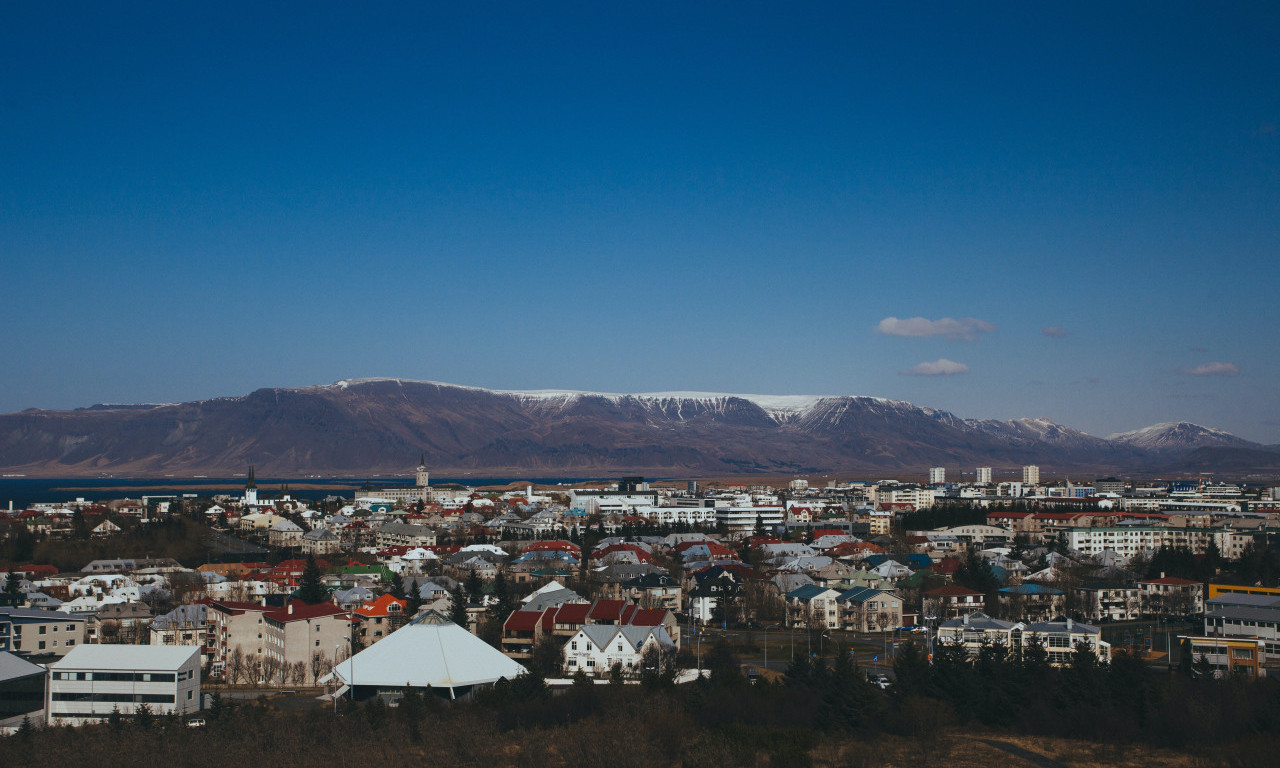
(359, 426)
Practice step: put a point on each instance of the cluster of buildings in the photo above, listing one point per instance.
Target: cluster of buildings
(832, 559)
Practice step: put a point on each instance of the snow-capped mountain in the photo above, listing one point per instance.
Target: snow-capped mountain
(1179, 437)
(362, 426)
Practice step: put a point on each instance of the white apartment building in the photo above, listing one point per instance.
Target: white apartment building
(983, 476)
(673, 515)
(1031, 475)
(937, 475)
(92, 681)
(743, 519)
(1128, 541)
(298, 631)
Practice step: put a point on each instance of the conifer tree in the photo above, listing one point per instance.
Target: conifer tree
(311, 590)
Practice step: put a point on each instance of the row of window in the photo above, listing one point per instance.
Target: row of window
(121, 677)
(42, 629)
(116, 698)
(40, 645)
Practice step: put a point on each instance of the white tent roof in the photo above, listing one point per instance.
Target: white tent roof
(428, 652)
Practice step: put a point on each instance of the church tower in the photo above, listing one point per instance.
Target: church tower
(250, 491)
(421, 480)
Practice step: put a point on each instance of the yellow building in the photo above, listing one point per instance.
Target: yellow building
(1234, 589)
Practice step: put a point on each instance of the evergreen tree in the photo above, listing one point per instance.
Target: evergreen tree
(911, 671)
(142, 716)
(458, 608)
(474, 587)
(312, 591)
(397, 585)
(13, 584)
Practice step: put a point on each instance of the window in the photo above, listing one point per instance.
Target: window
(42, 644)
(43, 629)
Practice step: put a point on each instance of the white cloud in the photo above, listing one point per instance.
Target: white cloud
(1212, 369)
(962, 329)
(1055, 331)
(940, 367)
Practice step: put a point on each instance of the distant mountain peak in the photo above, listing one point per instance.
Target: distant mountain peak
(1178, 436)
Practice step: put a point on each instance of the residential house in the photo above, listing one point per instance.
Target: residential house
(952, 601)
(319, 541)
(125, 623)
(597, 649)
(298, 636)
(1032, 601)
(38, 634)
(184, 625)
(974, 630)
(654, 590)
(813, 604)
(863, 609)
(284, 533)
(1171, 596)
(405, 534)
(236, 626)
(1109, 601)
(377, 619)
(1060, 639)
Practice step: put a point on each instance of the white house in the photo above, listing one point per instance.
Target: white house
(91, 681)
(596, 648)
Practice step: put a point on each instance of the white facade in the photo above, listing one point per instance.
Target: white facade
(1031, 475)
(937, 475)
(743, 519)
(596, 648)
(983, 476)
(673, 515)
(1135, 540)
(92, 681)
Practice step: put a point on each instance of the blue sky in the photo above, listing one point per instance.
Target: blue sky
(203, 200)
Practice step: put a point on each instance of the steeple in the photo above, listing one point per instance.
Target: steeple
(250, 490)
(421, 480)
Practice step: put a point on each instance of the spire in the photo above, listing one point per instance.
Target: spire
(422, 460)
(250, 484)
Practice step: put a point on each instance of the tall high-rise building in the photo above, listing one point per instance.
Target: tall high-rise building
(984, 476)
(1031, 474)
(937, 475)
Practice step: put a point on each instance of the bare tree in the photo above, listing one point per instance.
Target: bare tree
(298, 672)
(235, 667)
(319, 663)
(271, 667)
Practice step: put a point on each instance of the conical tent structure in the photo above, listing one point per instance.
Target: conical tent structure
(430, 651)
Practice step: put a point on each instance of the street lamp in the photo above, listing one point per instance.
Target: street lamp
(336, 646)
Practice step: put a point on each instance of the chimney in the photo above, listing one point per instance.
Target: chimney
(290, 609)
(966, 619)
(1068, 623)
(1162, 574)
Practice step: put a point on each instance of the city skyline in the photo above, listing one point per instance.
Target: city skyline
(1001, 212)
